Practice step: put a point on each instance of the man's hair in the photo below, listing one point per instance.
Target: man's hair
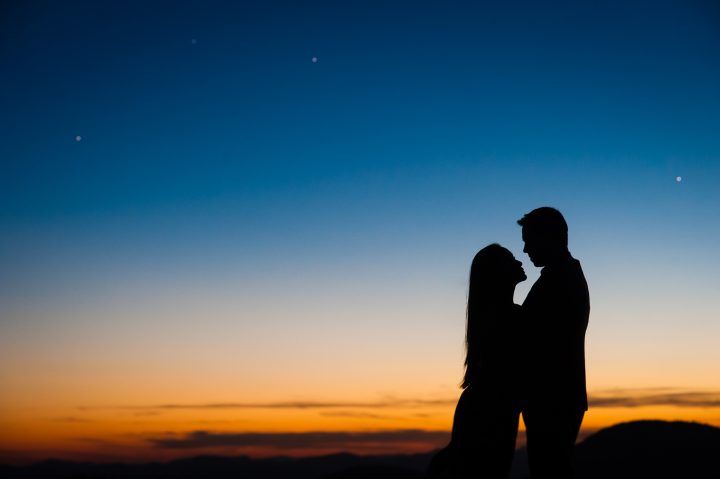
(548, 222)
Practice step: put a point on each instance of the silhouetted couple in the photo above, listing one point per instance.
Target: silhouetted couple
(527, 359)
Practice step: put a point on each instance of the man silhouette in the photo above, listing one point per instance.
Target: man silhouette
(555, 314)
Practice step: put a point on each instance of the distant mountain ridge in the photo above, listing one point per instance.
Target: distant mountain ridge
(634, 450)
(222, 467)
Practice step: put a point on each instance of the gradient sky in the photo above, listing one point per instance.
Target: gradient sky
(246, 227)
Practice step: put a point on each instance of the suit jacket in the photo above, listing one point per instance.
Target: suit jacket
(555, 314)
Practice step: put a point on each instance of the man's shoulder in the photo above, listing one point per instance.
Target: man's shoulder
(564, 277)
(567, 267)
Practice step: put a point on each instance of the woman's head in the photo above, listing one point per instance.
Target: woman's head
(493, 268)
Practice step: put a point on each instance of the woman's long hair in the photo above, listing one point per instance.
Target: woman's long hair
(481, 294)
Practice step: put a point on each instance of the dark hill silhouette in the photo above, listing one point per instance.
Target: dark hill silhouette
(634, 450)
(651, 449)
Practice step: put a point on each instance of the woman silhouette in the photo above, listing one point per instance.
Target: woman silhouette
(485, 425)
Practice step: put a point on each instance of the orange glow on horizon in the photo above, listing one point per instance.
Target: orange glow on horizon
(125, 434)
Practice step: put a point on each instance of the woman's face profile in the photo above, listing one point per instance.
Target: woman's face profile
(511, 268)
(496, 264)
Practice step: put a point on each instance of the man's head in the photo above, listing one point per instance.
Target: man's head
(545, 234)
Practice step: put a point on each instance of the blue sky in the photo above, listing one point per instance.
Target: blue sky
(207, 131)
(217, 110)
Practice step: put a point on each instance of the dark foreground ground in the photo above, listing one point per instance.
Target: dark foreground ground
(637, 450)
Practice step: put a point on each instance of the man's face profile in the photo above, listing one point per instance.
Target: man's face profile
(536, 246)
